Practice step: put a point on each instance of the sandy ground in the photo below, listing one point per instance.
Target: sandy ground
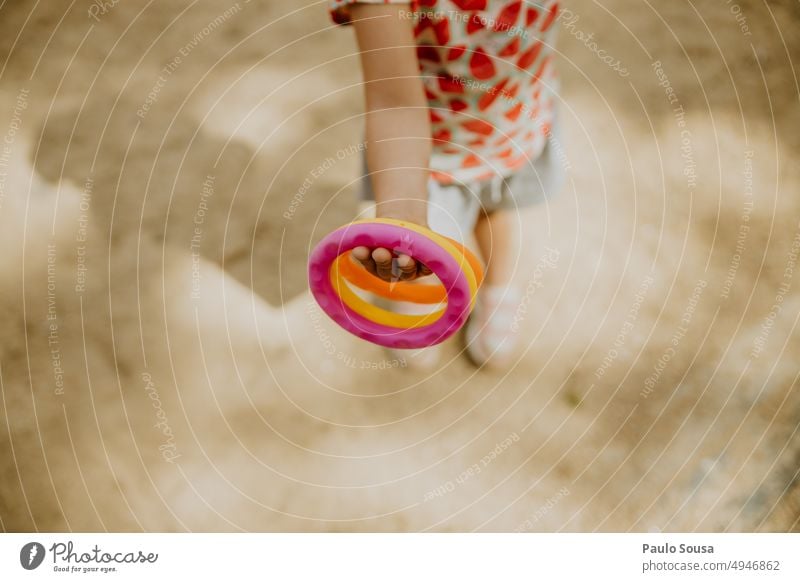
(163, 368)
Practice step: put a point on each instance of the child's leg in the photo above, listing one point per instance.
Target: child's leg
(489, 333)
(498, 237)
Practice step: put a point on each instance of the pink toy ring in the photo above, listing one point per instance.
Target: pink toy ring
(433, 250)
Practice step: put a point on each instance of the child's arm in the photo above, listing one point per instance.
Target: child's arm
(398, 126)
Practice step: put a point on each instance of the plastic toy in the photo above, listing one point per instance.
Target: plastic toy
(333, 275)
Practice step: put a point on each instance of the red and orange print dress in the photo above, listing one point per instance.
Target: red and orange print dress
(488, 71)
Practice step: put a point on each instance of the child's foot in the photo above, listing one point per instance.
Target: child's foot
(422, 359)
(489, 332)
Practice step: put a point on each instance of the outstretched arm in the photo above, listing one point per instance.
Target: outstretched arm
(398, 126)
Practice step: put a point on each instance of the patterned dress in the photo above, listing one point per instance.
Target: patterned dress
(488, 71)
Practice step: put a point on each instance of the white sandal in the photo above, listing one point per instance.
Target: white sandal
(490, 334)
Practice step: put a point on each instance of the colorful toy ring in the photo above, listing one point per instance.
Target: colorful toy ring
(332, 274)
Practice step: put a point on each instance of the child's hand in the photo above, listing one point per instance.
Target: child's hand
(384, 264)
(398, 129)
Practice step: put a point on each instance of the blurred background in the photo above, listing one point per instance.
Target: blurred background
(165, 168)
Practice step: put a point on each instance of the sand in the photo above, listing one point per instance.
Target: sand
(162, 366)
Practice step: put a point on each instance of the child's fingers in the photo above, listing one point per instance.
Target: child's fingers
(363, 256)
(383, 263)
(407, 267)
